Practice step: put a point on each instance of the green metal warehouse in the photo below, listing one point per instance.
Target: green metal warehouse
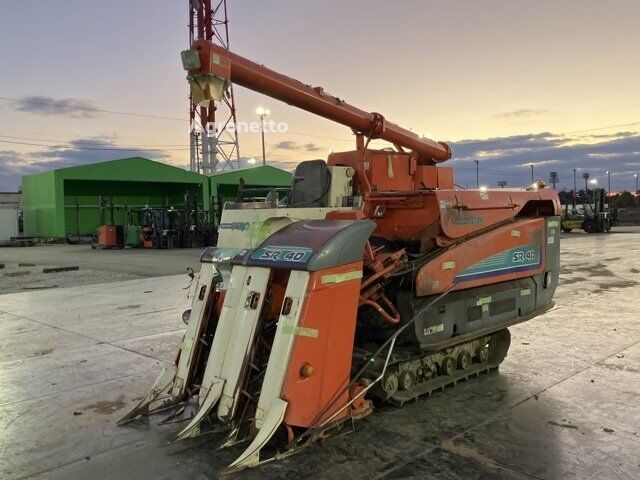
(66, 201)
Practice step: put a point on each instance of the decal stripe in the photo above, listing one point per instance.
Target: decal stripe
(495, 273)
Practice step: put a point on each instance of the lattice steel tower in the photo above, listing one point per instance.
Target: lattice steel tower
(213, 133)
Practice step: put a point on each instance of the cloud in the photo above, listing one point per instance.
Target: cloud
(311, 147)
(14, 165)
(290, 145)
(500, 158)
(11, 167)
(49, 106)
(507, 158)
(522, 113)
(90, 150)
(609, 135)
(286, 145)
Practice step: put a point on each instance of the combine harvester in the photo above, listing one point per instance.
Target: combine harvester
(374, 280)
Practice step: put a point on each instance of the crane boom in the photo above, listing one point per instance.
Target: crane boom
(211, 67)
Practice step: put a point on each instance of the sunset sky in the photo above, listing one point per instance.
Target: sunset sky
(554, 83)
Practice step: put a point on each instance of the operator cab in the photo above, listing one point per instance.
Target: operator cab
(314, 185)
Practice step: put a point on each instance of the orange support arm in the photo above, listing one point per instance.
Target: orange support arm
(211, 66)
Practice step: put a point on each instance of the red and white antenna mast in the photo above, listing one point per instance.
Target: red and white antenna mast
(213, 133)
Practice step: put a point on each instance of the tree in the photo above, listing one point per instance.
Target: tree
(623, 200)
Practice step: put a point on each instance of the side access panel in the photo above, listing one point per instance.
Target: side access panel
(319, 367)
(492, 306)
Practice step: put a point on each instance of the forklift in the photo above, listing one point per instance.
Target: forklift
(590, 217)
(170, 227)
(110, 236)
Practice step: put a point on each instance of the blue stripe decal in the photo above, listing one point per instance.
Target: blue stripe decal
(494, 273)
(518, 259)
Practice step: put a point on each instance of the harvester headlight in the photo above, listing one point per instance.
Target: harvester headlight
(190, 60)
(379, 211)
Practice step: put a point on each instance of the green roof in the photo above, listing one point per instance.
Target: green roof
(262, 175)
(132, 169)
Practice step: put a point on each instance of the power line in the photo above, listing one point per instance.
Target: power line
(140, 147)
(88, 142)
(122, 148)
(131, 114)
(320, 136)
(95, 148)
(91, 109)
(600, 128)
(164, 117)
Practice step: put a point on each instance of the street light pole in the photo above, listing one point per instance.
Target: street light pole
(609, 185)
(262, 114)
(593, 188)
(477, 162)
(575, 187)
(585, 175)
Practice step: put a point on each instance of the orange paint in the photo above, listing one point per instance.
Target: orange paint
(331, 311)
(433, 278)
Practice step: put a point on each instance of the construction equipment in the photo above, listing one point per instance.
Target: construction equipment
(109, 235)
(590, 217)
(172, 227)
(374, 279)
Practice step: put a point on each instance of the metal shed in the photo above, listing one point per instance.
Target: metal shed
(9, 215)
(224, 185)
(67, 201)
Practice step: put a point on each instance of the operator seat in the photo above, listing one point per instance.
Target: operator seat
(311, 184)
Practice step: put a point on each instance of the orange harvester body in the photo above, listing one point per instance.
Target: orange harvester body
(374, 278)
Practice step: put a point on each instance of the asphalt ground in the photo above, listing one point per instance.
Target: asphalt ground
(564, 404)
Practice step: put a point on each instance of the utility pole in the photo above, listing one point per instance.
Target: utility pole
(553, 176)
(574, 188)
(477, 162)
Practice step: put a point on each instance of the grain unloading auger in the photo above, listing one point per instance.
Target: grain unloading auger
(374, 279)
